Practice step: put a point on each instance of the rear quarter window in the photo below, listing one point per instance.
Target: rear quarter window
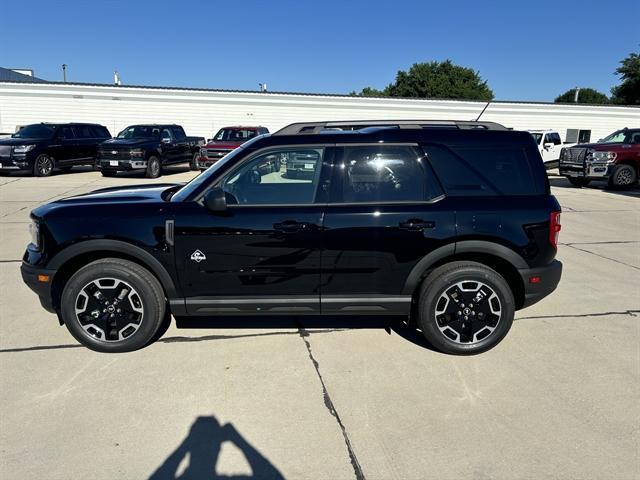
(486, 170)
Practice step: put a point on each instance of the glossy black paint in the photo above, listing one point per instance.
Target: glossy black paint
(115, 154)
(66, 151)
(323, 257)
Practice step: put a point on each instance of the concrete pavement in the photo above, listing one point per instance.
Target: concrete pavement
(558, 398)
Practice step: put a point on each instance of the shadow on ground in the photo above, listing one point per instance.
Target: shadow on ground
(562, 182)
(197, 455)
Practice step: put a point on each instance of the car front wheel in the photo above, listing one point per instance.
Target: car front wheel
(465, 308)
(113, 305)
(43, 165)
(623, 176)
(154, 169)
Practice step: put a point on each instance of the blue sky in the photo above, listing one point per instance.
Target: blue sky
(531, 50)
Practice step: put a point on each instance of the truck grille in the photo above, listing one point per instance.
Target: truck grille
(114, 154)
(5, 154)
(574, 156)
(216, 153)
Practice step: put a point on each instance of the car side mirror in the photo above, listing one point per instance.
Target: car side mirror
(547, 146)
(166, 140)
(216, 200)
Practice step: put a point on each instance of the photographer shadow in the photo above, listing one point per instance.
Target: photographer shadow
(202, 447)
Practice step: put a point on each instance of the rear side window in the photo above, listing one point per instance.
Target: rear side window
(100, 132)
(83, 131)
(178, 133)
(477, 170)
(66, 133)
(375, 173)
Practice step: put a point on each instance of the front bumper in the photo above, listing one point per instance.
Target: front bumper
(119, 165)
(547, 277)
(592, 170)
(30, 276)
(15, 163)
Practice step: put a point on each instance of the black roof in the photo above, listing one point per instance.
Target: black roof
(8, 75)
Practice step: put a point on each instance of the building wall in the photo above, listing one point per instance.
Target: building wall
(202, 112)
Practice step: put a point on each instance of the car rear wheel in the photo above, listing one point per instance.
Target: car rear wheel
(154, 169)
(465, 308)
(578, 182)
(623, 176)
(43, 165)
(113, 305)
(194, 162)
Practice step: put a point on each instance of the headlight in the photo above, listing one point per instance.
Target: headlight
(34, 230)
(604, 156)
(23, 148)
(136, 152)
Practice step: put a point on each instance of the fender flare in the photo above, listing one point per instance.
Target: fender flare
(117, 246)
(465, 246)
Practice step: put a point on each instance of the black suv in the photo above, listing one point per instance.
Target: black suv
(451, 224)
(41, 147)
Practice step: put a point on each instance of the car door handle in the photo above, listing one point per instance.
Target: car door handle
(415, 224)
(290, 226)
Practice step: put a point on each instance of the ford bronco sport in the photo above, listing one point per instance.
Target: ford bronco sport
(450, 224)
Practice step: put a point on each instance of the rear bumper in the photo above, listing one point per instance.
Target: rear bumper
(548, 279)
(42, 288)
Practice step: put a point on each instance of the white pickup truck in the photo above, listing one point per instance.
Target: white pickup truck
(549, 144)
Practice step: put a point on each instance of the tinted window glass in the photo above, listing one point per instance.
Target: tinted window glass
(383, 174)
(100, 131)
(140, 131)
(555, 138)
(178, 133)
(66, 133)
(83, 131)
(35, 131)
(166, 133)
(235, 134)
(279, 177)
(484, 170)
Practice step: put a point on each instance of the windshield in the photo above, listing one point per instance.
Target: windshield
(234, 134)
(208, 175)
(35, 131)
(622, 136)
(537, 137)
(140, 131)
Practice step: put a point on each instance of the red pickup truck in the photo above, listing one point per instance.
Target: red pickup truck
(226, 140)
(615, 159)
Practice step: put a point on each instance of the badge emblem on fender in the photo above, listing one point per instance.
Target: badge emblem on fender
(198, 256)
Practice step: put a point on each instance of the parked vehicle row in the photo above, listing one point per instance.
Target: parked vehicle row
(614, 159)
(450, 224)
(43, 147)
(226, 140)
(549, 144)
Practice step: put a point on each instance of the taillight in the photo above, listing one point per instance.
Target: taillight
(554, 228)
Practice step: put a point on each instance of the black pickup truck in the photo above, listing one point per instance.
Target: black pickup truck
(148, 148)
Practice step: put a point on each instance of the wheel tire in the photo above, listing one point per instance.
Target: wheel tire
(154, 169)
(623, 176)
(444, 279)
(194, 162)
(143, 284)
(108, 173)
(43, 165)
(579, 182)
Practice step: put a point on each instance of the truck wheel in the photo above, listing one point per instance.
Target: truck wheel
(465, 308)
(153, 167)
(113, 305)
(623, 176)
(194, 162)
(43, 165)
(578, 182)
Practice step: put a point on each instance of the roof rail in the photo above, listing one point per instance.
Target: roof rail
(313, 128)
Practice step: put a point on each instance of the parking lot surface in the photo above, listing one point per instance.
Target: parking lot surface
(299, 398)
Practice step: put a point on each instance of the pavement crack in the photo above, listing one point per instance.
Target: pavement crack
(177, 339)
(631, 313)
(357, 469)
(603, 256)
(611, 242)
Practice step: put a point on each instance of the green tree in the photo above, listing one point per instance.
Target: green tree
(586, 95)
(435, 80)
(628, 92)
(440, 80)
(370, 92)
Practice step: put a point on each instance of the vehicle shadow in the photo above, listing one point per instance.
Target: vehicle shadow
(562, 182)
(166, 171)
(388, 323)
(201, 449)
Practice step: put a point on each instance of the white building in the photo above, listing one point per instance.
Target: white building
(201, 111)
